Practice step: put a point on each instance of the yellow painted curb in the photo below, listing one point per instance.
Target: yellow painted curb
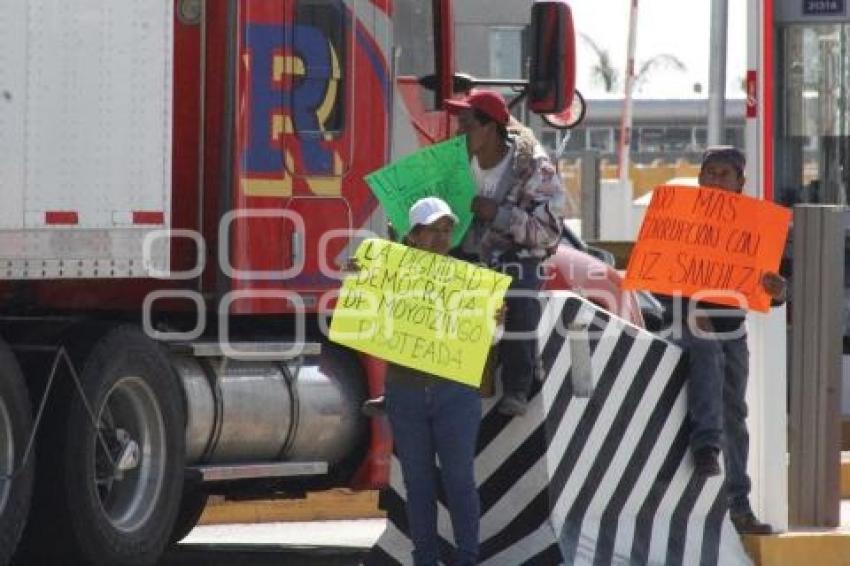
(335, 504)
(816, 548)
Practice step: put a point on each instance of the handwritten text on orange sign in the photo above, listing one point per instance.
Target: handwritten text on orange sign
(698, 239)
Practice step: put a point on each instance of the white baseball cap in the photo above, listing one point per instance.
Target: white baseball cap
(428, 210)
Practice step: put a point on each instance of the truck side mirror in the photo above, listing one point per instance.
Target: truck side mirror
(553, 70)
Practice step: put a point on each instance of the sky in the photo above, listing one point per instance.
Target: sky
(678, 27)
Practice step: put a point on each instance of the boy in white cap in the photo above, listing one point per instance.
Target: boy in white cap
(432, 417)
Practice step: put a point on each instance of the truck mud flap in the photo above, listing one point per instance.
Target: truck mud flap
(606, 478)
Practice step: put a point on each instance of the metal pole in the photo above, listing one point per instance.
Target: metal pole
(626, 119)
(717, 71)
(590, 195)
(816, 336)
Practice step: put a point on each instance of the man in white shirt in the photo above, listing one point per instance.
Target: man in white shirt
(519, 212)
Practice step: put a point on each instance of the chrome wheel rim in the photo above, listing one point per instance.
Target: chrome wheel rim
(129, 454)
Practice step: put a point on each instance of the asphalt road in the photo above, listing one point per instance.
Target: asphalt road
(262, 555)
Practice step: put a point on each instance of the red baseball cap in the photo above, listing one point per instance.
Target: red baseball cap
(488, 102)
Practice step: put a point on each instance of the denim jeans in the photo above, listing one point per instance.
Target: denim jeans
(439, 420)
(518, 355)
(717, 406)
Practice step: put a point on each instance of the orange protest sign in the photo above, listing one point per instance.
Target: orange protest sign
(710, 244)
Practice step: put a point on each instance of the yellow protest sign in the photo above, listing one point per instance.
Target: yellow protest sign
(421, 310)
(710, 244)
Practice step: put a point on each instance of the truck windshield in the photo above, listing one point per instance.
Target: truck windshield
(414, 44)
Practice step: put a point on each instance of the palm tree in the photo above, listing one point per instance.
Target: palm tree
(604, 72)
(660, 61)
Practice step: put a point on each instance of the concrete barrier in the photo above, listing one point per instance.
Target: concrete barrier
(598, 480)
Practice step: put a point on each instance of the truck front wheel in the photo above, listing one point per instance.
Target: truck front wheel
(16, 476)
(124, 477)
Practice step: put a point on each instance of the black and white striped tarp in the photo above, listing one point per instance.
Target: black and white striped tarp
(604, 478)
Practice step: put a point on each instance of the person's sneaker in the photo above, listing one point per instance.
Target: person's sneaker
(746, 523)
(513, 404)
(706, 461)
(374, 407)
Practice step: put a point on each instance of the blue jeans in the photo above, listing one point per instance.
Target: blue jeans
(717, 406)
(518, 356)
(439, 420)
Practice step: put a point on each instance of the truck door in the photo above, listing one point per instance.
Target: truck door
(310, 122)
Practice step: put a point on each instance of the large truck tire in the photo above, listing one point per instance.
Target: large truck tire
(116, 488)
(192, 506)
(15, 479)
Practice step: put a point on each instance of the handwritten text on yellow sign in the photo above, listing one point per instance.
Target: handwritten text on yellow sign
(417, 309)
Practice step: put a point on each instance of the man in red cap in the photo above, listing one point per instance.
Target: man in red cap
(519, 212)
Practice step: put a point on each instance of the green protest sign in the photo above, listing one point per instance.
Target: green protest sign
(440, 170)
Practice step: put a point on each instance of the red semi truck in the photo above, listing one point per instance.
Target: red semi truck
(181, 182)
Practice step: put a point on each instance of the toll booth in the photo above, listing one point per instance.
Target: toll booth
(798, 152)
(810, 161)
